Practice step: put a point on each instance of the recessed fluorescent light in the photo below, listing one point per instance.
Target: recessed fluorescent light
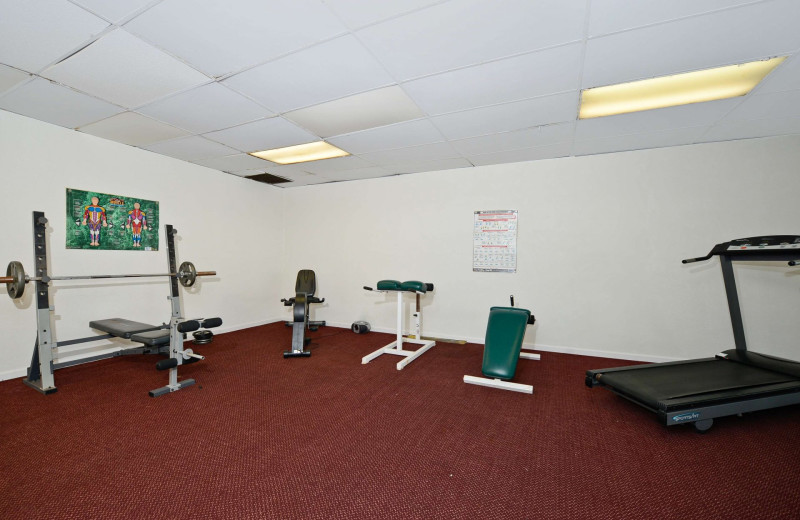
(301, 153)
(679, 89)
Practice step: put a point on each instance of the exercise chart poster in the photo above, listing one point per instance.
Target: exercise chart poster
(104, 221)
(494, 241)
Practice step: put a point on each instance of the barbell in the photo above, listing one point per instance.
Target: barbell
(15, 278)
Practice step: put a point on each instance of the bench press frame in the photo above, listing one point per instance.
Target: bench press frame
(396, 346)
(41, 372)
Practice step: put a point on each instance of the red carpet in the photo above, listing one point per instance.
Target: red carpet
(328, 438)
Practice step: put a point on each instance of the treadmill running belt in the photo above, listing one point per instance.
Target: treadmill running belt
(659, 383)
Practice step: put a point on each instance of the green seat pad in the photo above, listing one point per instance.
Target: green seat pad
(413, 285)
(504, 335)
(389, 285)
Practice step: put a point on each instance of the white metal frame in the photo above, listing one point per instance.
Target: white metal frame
(396, 346)
(504, 385)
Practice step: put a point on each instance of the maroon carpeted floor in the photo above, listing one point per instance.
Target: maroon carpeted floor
(328, 438)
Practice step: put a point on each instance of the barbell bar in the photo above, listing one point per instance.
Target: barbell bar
(15, 278)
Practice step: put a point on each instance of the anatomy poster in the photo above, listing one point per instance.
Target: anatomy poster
(494, 241)
(102, 221)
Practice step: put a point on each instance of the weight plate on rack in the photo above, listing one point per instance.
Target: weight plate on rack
(15, 288)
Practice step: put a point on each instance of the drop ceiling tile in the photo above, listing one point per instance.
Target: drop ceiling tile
(10, 77)
(785, 77)
(327, 71)
(510, 116)
(466, 32)
(133, 129)
(46, 101)
(191, 148)
(639, 141)
(433, 166)
(333, 165)
(266, 134)
(37, 33)
(232, 163)
(518, 139)
(771, 105)
(367, 110)
(124, 70)
(370, 172)
(727, 37)
(225, 37)
(552, 151)
(399, 135)
(412, 155)
(511, 79)
(205, 109)
(608, 16)
(304, 180)
(114, 10)
(729, 130)
(358, 13)
(697, 114)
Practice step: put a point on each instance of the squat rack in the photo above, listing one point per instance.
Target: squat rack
(40, 374)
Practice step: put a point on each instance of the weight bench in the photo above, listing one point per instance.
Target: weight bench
(396, 346)
(504, 334)
(150, 335)
(304, 288)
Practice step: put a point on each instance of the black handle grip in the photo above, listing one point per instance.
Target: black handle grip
(210, 323)
(188, 326)
(166, 364)
(512, 300)
(367, 288)
(693, 260)
(428, 286)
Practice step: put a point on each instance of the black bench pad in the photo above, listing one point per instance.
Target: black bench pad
(153, 338)
(123, 328)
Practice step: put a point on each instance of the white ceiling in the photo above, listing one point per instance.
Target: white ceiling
(403, 85)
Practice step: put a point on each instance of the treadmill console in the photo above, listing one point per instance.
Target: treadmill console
(771, 247)
(770, 242)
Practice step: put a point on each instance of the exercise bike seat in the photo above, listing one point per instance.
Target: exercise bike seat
(306, 285)
(504, 335)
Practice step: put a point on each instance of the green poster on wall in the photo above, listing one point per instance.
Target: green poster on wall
(103, 221)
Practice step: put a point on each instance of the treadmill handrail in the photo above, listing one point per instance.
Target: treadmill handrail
(752, 248)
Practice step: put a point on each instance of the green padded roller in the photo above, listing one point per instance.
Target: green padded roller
(389, 285)
(504, 335)
(413, 285)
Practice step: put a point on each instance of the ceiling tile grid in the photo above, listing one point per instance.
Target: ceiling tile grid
(403, 85)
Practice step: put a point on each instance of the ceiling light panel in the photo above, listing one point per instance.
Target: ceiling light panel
(350, 162)
(46, 101)
(680, 89)
(10, 77)
(367, 110)
(508, 117)
(116, 10)
(609, 16)
(133, 129)
(428, 41)
(124, 70)
(43, 31)
(687, 44)
(225, 37)
(301, 153)
(412, 155)
(205, 109)
(399, 135)
(327, 71)
(232, 163)
(684, 116)
(511, 79)
(518, 139)
(191, 148)
(266, 134)
(527, 154)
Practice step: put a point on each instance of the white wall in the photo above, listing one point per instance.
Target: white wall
(600, 243)
(224, 223)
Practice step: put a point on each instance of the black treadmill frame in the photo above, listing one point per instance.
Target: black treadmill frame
(702, 410)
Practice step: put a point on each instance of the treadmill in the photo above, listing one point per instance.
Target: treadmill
(734, 381)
